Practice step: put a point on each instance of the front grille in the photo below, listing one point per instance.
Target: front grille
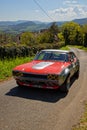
(36, 76)
(29, 75)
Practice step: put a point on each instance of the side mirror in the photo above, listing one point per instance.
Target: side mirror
(71, 60)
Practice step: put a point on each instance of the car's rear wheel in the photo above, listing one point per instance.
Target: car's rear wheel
(65, 87)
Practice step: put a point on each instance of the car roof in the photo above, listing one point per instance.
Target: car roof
(57, 50)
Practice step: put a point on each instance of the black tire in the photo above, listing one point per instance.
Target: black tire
(18, 84)
(77, 74)
(65, 87)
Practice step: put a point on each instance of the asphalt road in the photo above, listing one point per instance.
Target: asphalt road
(37, 109)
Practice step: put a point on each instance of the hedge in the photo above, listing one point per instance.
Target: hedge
(13, 52)
(8, 52)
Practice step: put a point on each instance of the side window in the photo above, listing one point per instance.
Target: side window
(72, 56)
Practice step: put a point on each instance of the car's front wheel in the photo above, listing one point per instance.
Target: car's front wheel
(65, 87)
(18, 84)
(77, 74)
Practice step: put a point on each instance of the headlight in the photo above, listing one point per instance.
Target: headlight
(16, 73)
(52, 77)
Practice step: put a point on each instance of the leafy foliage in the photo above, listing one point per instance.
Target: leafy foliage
(49, 35)
(7, 38)
(13, 52)
(72, 33)
(84, 28)
(27, 38)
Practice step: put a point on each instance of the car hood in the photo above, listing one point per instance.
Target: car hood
(42, 67)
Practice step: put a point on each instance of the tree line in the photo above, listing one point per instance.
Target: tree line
(28, 43)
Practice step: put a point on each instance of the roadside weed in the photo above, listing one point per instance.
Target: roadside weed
(6, 66)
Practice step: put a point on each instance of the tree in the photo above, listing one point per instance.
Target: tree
(84, 28)
(72, 33)
(50, 35)
(85, 40)
(79, 38)
(60, 36)
(66, 34)
(27, 38)
(44, 37)
(54, 30)
(6, 38)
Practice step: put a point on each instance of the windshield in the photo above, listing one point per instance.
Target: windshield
(57, 56)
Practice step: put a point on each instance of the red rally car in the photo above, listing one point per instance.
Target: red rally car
(50, 69)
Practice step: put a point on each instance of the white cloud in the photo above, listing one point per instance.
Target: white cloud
(81, 11)
(69, 12)
(74, 2)
(67, 2)
(63, 14)
(70, 2)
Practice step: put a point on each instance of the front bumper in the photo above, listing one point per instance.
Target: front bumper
(51, 81)
(39, 83)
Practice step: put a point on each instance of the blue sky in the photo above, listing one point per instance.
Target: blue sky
(42, 10)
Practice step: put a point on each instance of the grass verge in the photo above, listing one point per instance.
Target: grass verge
(83, 122)
(65, 48)
(80, 47)
(82, 125)
(6, 66)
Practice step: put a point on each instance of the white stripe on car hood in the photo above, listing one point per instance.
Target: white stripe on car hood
(42, 65)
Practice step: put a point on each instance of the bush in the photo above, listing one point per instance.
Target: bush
(14, 51)
(10, 52)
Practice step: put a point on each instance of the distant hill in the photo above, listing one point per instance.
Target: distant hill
(24, 25)
(81, 21)
(29, 25)
(20, 26)
(7, 23)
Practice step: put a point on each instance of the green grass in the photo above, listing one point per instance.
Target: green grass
(80, 47)
(83, 122)
(6, 66)
(65, 48)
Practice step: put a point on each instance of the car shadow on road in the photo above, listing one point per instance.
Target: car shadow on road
(45, 95)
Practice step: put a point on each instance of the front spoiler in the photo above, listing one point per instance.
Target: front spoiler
(48, 84)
